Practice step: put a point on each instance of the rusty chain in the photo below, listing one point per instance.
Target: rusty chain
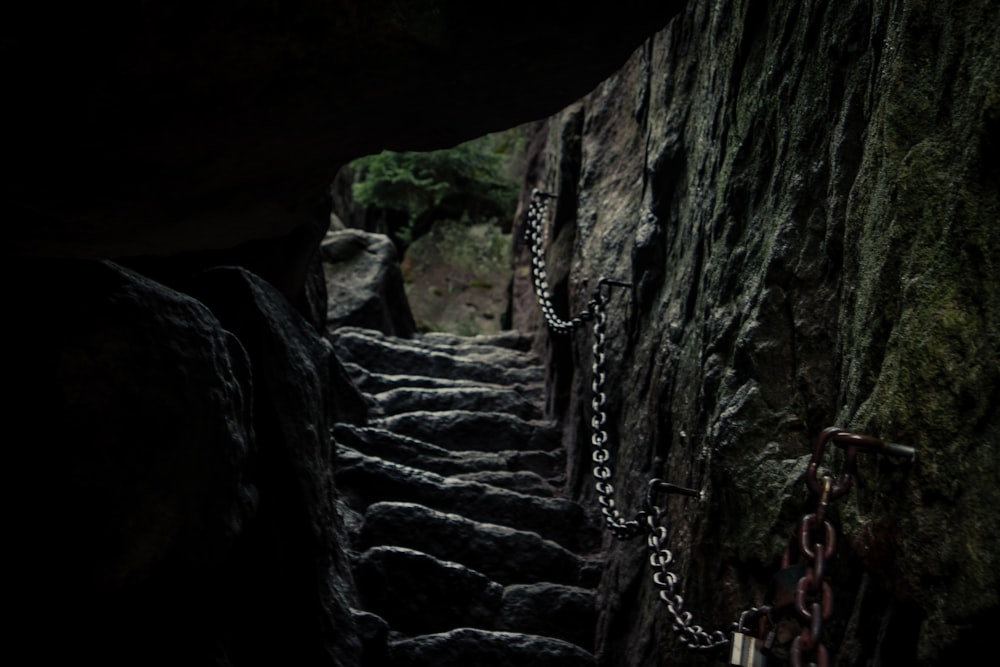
(816, 539)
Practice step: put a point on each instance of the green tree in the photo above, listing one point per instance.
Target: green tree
(473, 180)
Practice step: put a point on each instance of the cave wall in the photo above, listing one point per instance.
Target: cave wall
(804, 197)
(158, 129)
(170, 390)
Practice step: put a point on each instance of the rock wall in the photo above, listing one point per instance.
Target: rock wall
(804, 197)
(171, 392)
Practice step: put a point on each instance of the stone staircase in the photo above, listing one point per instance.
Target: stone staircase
(465, 552)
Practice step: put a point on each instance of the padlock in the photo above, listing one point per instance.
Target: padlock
(746, 651)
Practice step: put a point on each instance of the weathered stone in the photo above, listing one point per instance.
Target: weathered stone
(419, 594)
(364, 285)
(553, 610)
(510, 348)
(366, 480)
(467, 430)
(503, 554)
(522, 481)
(511, 338)
(503, 400)
(373, 632)
(130, 426)
(802, 199)
(380, 354)
(483, 648)
(415, 453)
(374, 383)
(293, 401)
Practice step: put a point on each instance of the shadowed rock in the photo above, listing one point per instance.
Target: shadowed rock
(503, 554)
(480, 431)
(366, 480)
(515, 340)
(364, 284)
(554, 610)
(512, 401)
(394, 356)
(521, 481)
(385, 444)
(418, 593)
(482, 648)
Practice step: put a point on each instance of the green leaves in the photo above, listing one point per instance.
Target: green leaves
(474, 179)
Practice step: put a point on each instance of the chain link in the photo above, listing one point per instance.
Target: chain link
(816, 537)
(646, 522)
(537, 210)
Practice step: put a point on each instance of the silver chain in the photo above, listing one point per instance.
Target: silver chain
(619, 527)
(693, 636)
(536, 218)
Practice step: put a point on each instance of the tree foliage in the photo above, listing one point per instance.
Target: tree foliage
(473, 180)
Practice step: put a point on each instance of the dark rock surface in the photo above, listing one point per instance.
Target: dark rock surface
(804, 197)
(468, 646)
(553, 610)
(180, 452)
(364, 285)
(451, 548)
(504, 554)
(368, 479)
(419, 594)
(384, 444)
(467, 429)
(396, 356)
(183, 128)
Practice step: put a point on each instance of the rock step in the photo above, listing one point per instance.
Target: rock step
(385, 444)
(479, 431)
(514, 340)
(506, 344)
(379, 354)
(503, 554)
(468, 647)
(515, 401)
(463, 551)
(416, 593)
(366, 479)
(373, 382)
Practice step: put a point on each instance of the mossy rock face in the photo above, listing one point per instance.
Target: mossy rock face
(457, 278)
(806, 202)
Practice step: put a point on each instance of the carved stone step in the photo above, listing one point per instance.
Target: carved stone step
(521, 481)
(365, 480)
(380, 354)
(508, 400)
(480, 431)
(503, 554)
(467, 647)
(553, 610)
(385, 444)
(373, 383)
(511, 347)
(514, 340)
(417, 593)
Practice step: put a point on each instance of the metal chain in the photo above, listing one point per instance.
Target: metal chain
(537, 209)
(693, 636)
(614, 520)
(816, 537)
